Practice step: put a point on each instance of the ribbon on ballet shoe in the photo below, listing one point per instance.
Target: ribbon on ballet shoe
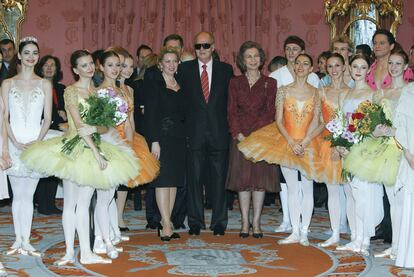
(12, 251)
(64, 261)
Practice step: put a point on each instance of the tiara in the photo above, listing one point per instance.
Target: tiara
(30, 38)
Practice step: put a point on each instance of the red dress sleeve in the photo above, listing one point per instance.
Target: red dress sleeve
(232, 108)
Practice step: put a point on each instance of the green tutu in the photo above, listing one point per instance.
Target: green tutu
(81, 166)
(375, 160)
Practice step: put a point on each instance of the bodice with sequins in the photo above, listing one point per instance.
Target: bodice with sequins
(26, 109)
(297, 116)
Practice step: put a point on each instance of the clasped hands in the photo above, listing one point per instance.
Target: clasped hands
(298, 146)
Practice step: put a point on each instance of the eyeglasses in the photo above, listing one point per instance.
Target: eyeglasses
(204, 45)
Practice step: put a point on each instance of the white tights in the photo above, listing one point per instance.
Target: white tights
(396, 205)
(338, 204)
(285, 204)
(103, 214)
(22, 207)
(369, 210)
(76, 216)
(299, 205)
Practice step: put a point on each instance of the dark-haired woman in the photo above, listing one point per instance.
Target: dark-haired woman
(290, 143)
(49, 68)
(250, 107)
(84, 169)
(367, 196)
(26, 97)
(377, 159)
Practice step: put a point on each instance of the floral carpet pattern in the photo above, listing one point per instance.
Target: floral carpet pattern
(204, 255)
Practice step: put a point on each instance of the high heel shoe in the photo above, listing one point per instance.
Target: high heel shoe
(162, 237)
(257, 235)
(244, 235)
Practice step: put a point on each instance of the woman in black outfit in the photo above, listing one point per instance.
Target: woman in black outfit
(164, 116)
(49, 68)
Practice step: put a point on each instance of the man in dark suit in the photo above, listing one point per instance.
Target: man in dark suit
(205, 84)
(8, 50)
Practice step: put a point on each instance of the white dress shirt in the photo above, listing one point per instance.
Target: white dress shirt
(284, 77)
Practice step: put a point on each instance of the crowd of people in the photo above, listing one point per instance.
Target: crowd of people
(193, 130)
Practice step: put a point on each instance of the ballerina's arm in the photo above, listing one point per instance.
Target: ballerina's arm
(71, 100)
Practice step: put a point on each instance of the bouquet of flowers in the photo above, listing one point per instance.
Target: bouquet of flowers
(366, 117)
(341, 132)
(105, 109)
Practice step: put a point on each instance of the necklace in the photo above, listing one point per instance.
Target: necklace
(252, 79)
(171, 82)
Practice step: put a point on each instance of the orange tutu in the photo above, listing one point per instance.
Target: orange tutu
(150, 166)
(269, 145)
(330, 171)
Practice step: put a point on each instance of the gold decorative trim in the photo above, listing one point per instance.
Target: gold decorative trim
(8, 5)
(344, 7)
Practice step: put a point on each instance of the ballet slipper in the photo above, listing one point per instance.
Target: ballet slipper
(29, 250)
(284, 228)
(304, 238)
(92, 258)
(293, 238)
(65, 260)
(333, 240)
(384, 254)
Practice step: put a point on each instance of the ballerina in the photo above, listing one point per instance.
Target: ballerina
(367, 196)
(290, 143)
(26, 97)
(331, 161)
(86, 168)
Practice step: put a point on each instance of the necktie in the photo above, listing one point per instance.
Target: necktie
(204, 83)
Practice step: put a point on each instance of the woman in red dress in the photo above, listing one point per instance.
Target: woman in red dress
(250, 107)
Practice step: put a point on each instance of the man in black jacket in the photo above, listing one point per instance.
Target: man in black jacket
(205, 84)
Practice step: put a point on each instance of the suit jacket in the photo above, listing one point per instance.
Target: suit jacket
(3, 73)
(206, 119)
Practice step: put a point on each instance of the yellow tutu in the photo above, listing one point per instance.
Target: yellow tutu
(81, 166)
(269, 145)
(375, 160)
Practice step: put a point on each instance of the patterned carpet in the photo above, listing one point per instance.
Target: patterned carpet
(205, 255)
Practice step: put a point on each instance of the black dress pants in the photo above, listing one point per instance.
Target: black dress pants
(216, 161)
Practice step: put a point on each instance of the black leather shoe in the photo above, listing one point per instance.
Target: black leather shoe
(179, 226)
(258, 235)
(175, 235)
(243, 235)
(123, 229)
(194, 232)
(218, 231)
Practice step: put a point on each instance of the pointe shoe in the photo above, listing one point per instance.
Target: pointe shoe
(65, 260)
(14, 249)
(293, 238)
(384, 254)
(364, 250)
(333, 240)
(284, 228)
(112, 252)
(118, 239)
(28, 249)
(94, 259)
(351, 246)
(304, 238)
(3, 272)
(99, 246)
